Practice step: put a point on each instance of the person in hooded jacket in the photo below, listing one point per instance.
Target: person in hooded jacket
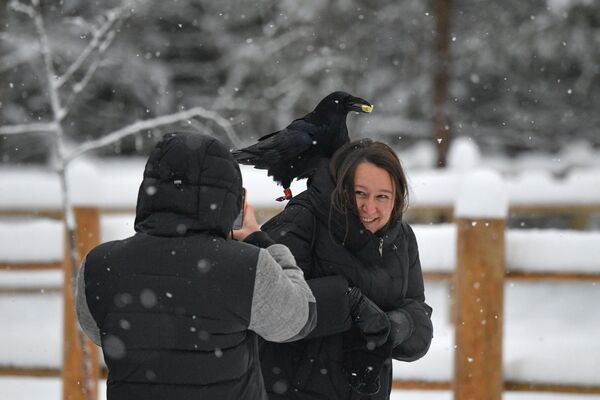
(348, 225)
(177, 307)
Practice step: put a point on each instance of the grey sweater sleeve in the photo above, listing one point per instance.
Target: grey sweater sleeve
(84, 316)
(283, 306)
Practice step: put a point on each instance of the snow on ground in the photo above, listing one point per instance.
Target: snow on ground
(50, 389)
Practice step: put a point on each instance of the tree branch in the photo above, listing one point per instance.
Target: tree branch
(154, 123)
(89, 73)
(20, 7)
(48, 64)
(25, 128)
(112, 16)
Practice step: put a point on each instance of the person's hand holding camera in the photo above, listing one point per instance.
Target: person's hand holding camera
(249, 225)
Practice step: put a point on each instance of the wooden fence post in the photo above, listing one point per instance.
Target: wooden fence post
(480, 219)
(80, 355)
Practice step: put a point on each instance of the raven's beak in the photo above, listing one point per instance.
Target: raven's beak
(360, 105)
(367, 108)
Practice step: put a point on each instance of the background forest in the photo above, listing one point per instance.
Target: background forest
(522, 75)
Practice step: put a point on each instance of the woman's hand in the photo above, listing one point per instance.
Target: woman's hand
(249, 224)
(368, 318)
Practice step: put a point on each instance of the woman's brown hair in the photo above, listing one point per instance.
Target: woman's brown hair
(343, 167)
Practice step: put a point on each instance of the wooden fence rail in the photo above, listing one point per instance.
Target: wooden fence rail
(480, 265)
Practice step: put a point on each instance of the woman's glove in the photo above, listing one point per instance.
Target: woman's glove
(361, 365)
(401, 325)
(415, 345)
(368, 318)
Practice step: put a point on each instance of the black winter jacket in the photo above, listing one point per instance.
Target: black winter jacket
(384, 266)
(173, 306)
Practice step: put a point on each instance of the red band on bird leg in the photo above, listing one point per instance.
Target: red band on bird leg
(287, 195)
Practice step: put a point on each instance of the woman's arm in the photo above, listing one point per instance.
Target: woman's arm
(295, 228)
(412, 329)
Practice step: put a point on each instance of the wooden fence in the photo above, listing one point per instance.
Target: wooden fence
(480, 260)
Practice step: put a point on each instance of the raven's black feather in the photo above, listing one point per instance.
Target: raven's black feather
(293, 152)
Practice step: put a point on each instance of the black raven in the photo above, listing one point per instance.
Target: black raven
(293, 152)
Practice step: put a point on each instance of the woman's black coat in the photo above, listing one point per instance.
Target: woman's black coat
(335, 254)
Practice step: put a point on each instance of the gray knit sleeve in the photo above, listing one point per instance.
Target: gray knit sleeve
(283, 306)
(84, 316)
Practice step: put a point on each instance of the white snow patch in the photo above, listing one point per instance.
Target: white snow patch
(19, 236)
(433, 188)
(437, 246)
(482, 195)
(463, 154)
(83, 179)
(553, 250)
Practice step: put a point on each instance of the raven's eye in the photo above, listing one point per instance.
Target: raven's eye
(336, 101)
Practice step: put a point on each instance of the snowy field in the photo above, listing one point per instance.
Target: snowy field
(50, 389)
(550, 328)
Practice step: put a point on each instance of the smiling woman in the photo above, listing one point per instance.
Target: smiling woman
(362, 264)
(374, 196)
(369, 182)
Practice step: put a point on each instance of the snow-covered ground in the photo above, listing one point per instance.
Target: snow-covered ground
(50, 389)
(550, 328)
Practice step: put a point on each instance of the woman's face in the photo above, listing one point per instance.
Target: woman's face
(374, 194)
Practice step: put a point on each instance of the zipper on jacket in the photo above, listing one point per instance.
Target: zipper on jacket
(381, 246)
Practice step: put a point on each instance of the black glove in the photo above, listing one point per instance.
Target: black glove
(361, 365)
(401, 324)
(417, 343)
(368, 318)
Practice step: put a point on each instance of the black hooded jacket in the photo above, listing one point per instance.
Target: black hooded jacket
(173, 306)
(384, 266)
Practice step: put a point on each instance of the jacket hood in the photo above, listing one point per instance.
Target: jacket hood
(191, 184)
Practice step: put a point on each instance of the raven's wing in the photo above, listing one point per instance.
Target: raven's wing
(276, 132)
(281, 147)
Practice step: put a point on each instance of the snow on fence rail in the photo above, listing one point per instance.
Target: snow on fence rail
(543, 253)
(112, 184)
